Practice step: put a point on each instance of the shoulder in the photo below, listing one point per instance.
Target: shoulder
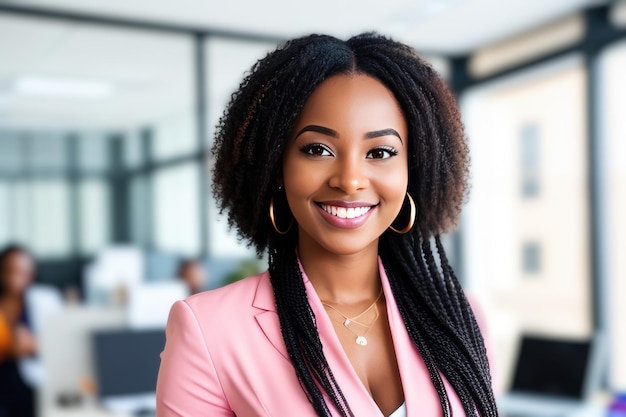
(230, 298)
(227, 314)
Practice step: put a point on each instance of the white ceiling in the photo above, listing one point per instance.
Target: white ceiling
(444, 26)
(152, 72)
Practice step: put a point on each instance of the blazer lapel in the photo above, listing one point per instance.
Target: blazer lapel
(360, 401)
(420, 395)
(267, 318)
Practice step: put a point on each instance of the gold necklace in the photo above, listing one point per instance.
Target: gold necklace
(360, 338)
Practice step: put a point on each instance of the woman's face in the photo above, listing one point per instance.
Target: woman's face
(345, 168)
(17, 272)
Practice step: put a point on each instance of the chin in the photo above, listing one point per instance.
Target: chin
(348, 245)
(340, 241)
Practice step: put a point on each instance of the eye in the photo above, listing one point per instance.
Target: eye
(317, 149)
(382, 152)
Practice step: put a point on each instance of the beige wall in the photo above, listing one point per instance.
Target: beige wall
(498, 219)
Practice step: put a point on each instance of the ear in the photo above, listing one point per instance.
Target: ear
(279, 181)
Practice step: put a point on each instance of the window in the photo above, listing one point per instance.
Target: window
(224, 242)
(49, 220)
(133, 149)
(11, 154)
(227, 63)
(46, 152)
(140, 211)
(5, 213)
(175, 135)
(530, 159)
(93, 152)
(531, 257)
(95, 208)
(177, 209)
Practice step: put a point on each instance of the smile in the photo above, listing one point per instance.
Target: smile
(345, 212)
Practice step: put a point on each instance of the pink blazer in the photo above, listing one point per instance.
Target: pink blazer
(225, 356)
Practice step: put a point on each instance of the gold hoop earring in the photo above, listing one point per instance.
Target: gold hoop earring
(273, 218)
(411, 220)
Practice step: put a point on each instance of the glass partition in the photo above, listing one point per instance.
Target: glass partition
(227, 64)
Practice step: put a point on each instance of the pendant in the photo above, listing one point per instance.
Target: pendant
(361, 341)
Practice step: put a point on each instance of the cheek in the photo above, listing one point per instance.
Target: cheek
(393, 181)
(296, 187)
(300, 177)
(14, 281)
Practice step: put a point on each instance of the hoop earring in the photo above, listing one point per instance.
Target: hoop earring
(273, 218)
(411, 219)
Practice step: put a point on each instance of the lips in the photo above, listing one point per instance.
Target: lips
(346, 214)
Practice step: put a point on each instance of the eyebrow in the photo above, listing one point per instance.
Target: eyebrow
(383, 132)
(332, 133)
(319, 129)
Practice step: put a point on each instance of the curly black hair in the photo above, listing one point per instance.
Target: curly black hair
(250, 140)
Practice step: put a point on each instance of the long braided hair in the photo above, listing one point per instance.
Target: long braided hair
(249, 144)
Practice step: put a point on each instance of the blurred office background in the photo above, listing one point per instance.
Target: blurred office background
(107, 112)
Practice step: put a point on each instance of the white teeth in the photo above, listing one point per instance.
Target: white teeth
(345, 213)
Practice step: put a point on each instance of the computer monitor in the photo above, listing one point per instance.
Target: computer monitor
(127, 364)
(552, 367)
(66, 351)
(554, 376)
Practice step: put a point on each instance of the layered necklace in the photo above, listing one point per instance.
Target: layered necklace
(355, 325)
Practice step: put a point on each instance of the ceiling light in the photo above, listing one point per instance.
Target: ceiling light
(417, 12)
(62, 87)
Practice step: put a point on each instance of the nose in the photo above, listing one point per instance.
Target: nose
(349, 175)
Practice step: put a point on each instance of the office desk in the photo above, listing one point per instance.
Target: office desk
(83, 411)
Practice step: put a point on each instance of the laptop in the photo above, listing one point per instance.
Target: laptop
(553, 376)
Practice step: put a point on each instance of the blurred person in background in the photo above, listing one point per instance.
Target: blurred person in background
(193, 273)
(345, 160)
(17, 271)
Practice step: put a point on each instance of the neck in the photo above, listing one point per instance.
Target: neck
(342, 278)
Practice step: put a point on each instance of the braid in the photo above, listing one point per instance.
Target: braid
(297, 322)
(451, 332)
(248, 149)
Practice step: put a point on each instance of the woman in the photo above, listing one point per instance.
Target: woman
(17, 270)
(345, 161)
(191, 272)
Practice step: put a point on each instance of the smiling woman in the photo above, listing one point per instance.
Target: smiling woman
(344, 160)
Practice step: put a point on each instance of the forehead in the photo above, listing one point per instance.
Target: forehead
(350, 101)
(17, 258)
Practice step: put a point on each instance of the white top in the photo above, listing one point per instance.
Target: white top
(400, 412)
